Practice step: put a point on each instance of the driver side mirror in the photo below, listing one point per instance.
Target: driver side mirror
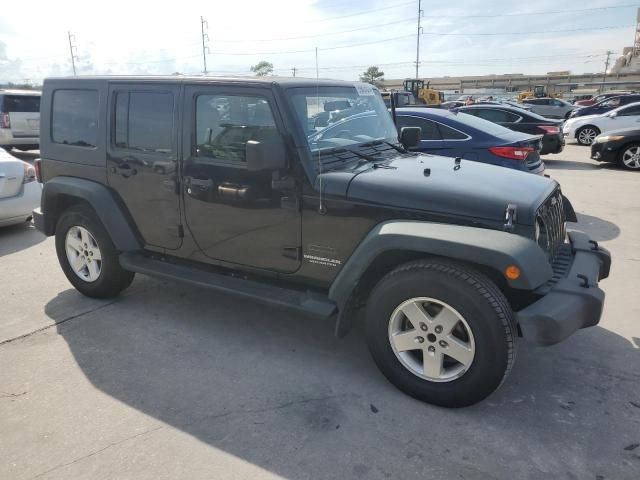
(266, 155)
(410, 136)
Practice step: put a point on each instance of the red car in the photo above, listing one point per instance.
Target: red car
(599, 98)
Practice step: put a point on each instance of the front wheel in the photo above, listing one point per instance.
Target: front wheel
(441, 332)
(87, 254)
(630, 157)
(587, 134)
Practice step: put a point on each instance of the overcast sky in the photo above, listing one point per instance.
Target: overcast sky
(472, 37)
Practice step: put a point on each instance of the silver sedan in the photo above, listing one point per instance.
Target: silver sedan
(19, 190)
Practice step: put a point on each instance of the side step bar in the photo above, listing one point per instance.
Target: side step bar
(303, 301)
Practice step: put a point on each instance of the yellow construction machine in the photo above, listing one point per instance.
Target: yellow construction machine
(538, 92)
(422, 92)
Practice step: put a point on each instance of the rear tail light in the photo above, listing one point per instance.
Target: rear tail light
(4, 120)
(553, 130)
(29, 173)
(38, 166)
(513, 153)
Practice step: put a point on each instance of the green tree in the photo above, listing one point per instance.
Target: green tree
(373, 75)
(262, 69)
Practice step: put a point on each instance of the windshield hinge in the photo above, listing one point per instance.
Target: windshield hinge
(510, 216)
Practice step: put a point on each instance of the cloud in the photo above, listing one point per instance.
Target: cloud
(350, 35)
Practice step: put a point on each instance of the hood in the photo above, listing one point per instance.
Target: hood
(434, 184)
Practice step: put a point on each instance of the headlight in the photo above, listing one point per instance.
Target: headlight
(608, 138)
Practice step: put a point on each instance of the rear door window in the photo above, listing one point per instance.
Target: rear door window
(74, 118)
(20, 103)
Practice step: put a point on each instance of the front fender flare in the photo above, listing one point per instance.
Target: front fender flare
(492, 248)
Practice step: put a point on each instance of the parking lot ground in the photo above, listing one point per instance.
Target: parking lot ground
(171, 381)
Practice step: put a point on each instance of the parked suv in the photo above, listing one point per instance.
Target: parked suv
(550, 107)
(19, 119)
(450, 259)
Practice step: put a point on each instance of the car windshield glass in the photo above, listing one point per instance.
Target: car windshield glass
(481, 124)
(342, 116)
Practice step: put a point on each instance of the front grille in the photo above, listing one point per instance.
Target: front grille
(560, 265)
(551, 222)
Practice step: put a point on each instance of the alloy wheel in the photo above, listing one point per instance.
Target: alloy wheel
(431, 339)
(631, 158)
(83, 253)
(587, 135)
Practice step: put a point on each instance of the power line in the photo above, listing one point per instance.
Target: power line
(313, 50)
(618, 27)
(523, 14)
(366, 12)
(325, 35)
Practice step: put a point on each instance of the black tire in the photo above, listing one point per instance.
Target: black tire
(112, 278)
(622, 154)
(585, 128)
(481, 304)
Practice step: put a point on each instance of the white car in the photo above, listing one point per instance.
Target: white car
(19, 190)
(19, 119)
(586, 129)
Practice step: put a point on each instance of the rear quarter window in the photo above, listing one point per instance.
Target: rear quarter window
(74, 118)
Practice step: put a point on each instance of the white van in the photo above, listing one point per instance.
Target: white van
(19, 119)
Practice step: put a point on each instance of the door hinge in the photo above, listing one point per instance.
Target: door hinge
(294, 253)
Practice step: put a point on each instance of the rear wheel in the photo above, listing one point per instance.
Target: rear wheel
(585, 135)
(441, 332)
(630, 157)
(87, 255)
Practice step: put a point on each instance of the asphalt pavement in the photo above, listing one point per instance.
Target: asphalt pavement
(171, 381)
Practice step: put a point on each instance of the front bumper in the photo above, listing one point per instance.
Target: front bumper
(605, 152)
(572, 299)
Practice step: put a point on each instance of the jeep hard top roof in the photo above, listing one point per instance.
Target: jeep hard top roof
(285, 82)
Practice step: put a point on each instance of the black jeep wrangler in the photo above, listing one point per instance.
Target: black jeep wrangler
(253, 187)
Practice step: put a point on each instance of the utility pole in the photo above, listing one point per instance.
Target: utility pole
(606, 67)
(420, 12)
(73, 51)
(205, 39)
(294, 70)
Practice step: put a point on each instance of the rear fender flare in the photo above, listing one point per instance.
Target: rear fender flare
(113, 216)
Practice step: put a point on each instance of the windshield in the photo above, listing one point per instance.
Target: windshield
(342, 116)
